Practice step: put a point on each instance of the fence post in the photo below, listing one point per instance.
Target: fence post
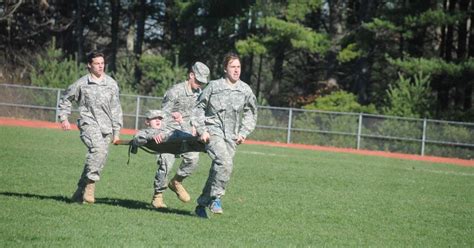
(423, 138)
(288, 135)
(58, 97)
(359, 131)
(137, 112)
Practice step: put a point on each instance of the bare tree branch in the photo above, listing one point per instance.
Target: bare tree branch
(8, 14)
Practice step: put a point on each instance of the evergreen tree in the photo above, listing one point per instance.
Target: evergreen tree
(410, 97)
(282, 36)
(53, 69)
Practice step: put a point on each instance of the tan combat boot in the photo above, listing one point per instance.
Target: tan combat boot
(158, 201)
(89, 192)
(176, 186)
(78, 195)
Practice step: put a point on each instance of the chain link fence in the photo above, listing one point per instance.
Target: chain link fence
(285, 125)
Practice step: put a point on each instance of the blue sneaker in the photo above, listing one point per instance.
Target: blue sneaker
(201, 212)
(216, 207)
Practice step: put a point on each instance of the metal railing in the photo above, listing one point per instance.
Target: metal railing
(286, 125)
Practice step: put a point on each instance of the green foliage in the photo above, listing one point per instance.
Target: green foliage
(273, 117)
(159, 74)
(434, 149)
(457, 114)
(410, 99)
(390, 132)
(307, 127)
(326, 129)
(298, 9)
(52, 69)
(299, 36)
(340, 101)
(286, 32)
(378, 25)
(349, 53)
(433, 66)
(182, 9)
(125, 74)
(291, 35)
(271, 135)
(251, 45)
(262, 101)
(445, 131)
(433, 18)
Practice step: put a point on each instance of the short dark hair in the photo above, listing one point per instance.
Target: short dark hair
(228, 57)
(94, 54)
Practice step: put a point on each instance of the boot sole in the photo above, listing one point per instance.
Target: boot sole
(172, 188)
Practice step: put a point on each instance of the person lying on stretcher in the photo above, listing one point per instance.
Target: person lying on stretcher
(160, 139)
(156, 129)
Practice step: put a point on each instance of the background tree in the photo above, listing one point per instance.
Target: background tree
(410, 97)
(293, 51)
(285, 38)
(115, 8)
(52, 70)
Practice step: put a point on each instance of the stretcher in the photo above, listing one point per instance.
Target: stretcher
(173, 145)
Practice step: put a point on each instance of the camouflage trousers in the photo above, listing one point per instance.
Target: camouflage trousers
(165, 163)
(97, 150)
(222, 152)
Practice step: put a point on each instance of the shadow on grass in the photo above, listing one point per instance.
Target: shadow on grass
(41, 197)
(130, 204)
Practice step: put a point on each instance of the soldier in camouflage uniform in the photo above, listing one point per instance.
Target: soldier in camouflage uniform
(100, 120)
(226, 113)
(155, 129)
(179, 102)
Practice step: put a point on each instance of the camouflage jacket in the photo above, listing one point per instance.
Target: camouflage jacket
(181, 98)
(226, 110)
(98, 104)
(144, 135)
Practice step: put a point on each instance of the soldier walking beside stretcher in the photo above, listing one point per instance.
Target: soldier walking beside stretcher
(99, 123)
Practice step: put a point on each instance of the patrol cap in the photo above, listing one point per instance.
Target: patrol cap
(201, 71)
(152, 114)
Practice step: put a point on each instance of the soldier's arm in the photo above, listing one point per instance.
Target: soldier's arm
(117, 114)
(65, 104)
(141, 138)
(198, 114)
(249, 117)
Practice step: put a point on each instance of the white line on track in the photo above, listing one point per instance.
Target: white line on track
(263, 153)
(442, 172)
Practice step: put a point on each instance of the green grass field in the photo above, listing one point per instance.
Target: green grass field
(277, 197)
